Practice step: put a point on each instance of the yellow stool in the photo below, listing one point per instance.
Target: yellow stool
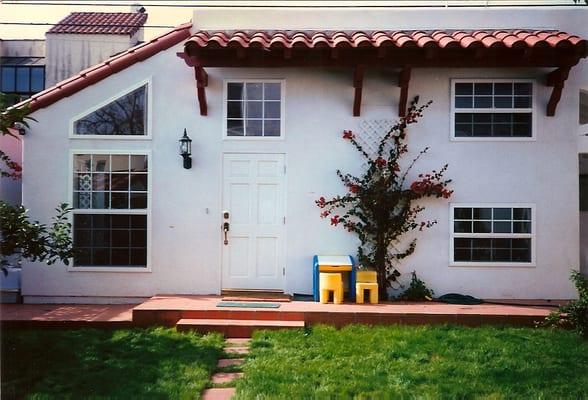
(366, 280)
(331, 282)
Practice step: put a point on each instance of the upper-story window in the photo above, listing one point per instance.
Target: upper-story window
(254, 109)
(124, 116)
(21, 80)
(492, 109)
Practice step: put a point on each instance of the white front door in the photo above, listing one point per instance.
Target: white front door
(253, 198)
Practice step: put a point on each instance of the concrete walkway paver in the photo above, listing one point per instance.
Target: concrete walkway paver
(218, 394)
(226, 377)
(230, 362)
(232, 346)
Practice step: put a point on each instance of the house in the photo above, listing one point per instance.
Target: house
(265, 94)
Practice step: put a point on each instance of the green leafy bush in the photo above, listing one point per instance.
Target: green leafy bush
(417, 290)
(575, 313)
(25, 239)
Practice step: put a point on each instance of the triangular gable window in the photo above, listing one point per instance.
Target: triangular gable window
(125, 116)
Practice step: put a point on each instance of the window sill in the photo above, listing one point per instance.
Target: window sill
(112, 137)
(493, 139)
(253, 138)
(492, 265)
(109, 269)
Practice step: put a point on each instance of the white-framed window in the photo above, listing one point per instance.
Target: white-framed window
(254, 109)
(124, 116)
(110, 193)
(492, 109)
(492, 234)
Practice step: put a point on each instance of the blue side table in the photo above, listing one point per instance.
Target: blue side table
(333, 264)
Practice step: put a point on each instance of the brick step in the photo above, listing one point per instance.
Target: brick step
(234, 328)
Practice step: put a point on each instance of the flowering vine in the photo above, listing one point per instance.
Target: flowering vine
(378, 206)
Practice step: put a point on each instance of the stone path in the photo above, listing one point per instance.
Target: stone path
(227, 370)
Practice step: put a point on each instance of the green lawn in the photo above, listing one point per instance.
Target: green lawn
(401, 362)
(115, 364)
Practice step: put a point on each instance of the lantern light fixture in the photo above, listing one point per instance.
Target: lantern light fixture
(186, 150)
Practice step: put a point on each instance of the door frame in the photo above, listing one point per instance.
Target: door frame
(220, 220)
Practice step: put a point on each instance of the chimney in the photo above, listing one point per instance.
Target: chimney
(83, 39)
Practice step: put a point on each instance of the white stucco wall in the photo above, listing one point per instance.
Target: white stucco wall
(22, 48)
(186, 240)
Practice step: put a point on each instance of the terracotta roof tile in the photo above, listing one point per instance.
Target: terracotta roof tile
(109, 67)
(512, 38)
(116, 23)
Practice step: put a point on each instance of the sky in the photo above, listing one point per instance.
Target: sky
(52, 14)
(171, 15)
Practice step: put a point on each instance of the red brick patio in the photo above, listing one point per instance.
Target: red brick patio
(168, 310)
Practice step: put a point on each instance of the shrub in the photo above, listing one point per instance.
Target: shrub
(575, 313)
(417, 290)
(32, 240)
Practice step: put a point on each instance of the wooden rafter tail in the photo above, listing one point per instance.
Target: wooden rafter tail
(403, 81)
(187, 59)
(201, 84)
(556, 79)
(358, 85)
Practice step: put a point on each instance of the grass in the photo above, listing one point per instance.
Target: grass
(399, 362)
(157, 363)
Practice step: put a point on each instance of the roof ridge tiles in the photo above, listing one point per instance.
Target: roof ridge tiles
(104, 23)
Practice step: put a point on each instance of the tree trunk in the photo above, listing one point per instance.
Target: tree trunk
(380, 262)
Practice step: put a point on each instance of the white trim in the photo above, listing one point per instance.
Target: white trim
(282, 136)
(533, 110)
(146, 211)
(148, 136)
(532, 235)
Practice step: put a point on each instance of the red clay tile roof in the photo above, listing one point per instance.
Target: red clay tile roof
(116, 23)
(515, 38)
(109, 67)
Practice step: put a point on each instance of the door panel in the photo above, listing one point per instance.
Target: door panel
(254, 196)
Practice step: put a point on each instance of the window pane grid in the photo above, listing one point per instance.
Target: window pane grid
(97, 186)
(101, 240)
(492, 250)
(22, 80)
(492, 234)
(493, 109)
(254, 109)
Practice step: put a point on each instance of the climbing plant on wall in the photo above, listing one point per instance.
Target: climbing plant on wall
(380, 205)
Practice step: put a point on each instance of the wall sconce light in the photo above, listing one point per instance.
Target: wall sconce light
(186, 150)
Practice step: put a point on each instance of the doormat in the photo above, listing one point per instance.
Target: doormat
(247, 304)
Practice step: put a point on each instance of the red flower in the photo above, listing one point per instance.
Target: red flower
(335, 220)
(348, 135)
(325, 214)
(320, 202)
(353, 188)
(380, 162)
